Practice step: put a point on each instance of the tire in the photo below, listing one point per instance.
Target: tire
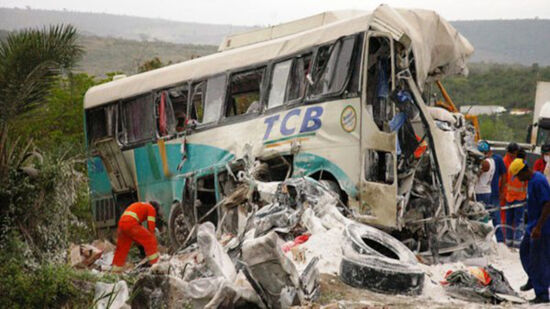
(376, 261)
(179, 225)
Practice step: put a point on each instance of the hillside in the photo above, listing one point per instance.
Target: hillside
(105, 55)
(499, 41)
(512, 86)
(120, 26)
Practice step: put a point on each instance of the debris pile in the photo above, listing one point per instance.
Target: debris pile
(97, 255)
(274, 244)
(262, 259)
(480, 284)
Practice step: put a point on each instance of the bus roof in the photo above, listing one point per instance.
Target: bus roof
(423, 31)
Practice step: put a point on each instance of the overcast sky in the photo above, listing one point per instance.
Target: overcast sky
(263, 12)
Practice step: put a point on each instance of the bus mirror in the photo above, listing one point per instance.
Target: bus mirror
(529, 133)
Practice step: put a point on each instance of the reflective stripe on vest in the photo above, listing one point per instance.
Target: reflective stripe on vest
(150, 218)
(153, 256)
(131, 214)
(517, 189)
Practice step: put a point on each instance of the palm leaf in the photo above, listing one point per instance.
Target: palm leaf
(30, 60)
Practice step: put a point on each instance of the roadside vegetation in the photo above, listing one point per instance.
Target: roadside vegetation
(511, 86)
(43, 189)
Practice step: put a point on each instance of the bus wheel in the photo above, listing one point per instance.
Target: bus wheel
(332, 186)
(179, 226)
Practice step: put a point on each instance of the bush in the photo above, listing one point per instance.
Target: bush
(46, 286)
(38, 193)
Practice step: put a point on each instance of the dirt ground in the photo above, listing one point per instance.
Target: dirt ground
(336, 294)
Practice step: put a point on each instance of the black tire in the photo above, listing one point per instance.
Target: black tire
(375, 260)
(180, 225)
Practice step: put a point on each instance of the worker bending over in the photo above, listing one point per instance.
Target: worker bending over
(535, 247)
(130, 230)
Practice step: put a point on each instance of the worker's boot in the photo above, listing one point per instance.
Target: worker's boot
(526, 287)
(539, 300)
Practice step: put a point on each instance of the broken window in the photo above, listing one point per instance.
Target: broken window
(379, 166)
(101, 122)
(215, 90)
(138, 123)
(332, 65)
(244, 93)
(297, 86)
(166, 121)
(179, 97)
(379, 72)
(543, 134)
(197, 102)
(278, 85)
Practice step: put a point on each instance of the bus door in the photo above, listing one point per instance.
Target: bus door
(378, 184)
(119, 173)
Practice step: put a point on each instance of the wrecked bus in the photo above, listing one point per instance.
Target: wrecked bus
(341, 97)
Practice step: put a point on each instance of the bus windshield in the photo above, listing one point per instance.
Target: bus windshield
(543, 136)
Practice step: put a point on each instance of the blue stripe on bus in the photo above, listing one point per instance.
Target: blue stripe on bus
(99, 180)
(156, 186)
(307, 164)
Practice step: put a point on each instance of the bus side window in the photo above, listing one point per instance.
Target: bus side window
(100, 122)
(196, 111)
(138, 123)
(379, 166)
(166, 122)
(244, 93)
(215, 91)
(178, 97)
(332, 67)
(279, 80)
(301, 67)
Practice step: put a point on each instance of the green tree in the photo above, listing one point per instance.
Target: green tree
(58, 123)
(151, 64)
(30, 61)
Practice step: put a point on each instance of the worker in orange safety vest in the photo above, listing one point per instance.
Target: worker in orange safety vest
(130, 230)
(516, 193)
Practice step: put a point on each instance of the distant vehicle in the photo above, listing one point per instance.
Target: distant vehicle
(539, 131)
(476, 110)
(337, 96)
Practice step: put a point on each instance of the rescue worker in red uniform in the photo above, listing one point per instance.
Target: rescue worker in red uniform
(130, 230)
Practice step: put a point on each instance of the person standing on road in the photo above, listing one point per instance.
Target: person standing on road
(495, 187)
(516, 194)
(511, 153)
(535, 247)
(130, 230)
(541, 164)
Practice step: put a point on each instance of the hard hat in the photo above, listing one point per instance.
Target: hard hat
(516, 166)
(483, 146)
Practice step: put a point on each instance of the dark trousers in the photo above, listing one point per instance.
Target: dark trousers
(535, 259)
